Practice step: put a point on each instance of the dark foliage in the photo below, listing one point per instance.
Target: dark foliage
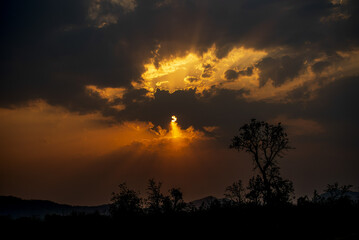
(266, 143)
(155, 197)
(245, 222)
(316, 218)
(235, 193)
(126, 202)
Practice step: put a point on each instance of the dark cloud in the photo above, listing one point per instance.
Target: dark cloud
(320, 66)
(207, 70)
(53, 57)
(232, 75)
(52, 50)
(192, 79)
(335, 102)
(279, 70)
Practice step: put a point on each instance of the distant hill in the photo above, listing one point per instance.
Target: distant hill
(353, 196)
(206, 202)
(16, 207)
(203, 202)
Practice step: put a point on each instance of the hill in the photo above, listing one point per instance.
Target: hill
(16, 208)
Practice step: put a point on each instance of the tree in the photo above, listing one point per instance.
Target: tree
(126, 202)
(256, 190)
(336, 193)
(235, 192)
(303, 201)
(316, 199)
(282, 190)
(266, 143)
(155, 197)
(173, 203)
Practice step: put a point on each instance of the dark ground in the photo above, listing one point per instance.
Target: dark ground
(290, 222)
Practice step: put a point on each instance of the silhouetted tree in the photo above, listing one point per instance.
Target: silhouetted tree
(256, 190)
(282, 190)
(303, 201)
(316, 199)
(125, 202)
(266, 143)
(155, 197)
(338, 194)
(173, 203)
(235, 192)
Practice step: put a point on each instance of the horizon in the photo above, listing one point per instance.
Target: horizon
(100, 92)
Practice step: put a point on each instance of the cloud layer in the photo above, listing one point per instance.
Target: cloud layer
(54, 50)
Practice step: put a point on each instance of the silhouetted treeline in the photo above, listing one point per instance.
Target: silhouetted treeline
(164, 214)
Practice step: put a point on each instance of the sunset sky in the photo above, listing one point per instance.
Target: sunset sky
(89, 88)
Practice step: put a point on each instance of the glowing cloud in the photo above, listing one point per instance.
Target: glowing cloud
(200, 72)
(236, 71)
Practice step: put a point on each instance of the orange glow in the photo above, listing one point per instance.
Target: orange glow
(43, 131)
(60, 148)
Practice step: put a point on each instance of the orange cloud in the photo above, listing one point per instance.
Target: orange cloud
(43, 131)
(48, 152)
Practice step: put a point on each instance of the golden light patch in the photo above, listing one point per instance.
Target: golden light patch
(200, 72)
(108, 93)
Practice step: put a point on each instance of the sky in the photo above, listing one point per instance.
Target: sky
(89, 88)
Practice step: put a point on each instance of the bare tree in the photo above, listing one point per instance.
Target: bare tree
(235, 192)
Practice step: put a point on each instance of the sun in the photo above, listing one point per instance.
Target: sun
(175, 129)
